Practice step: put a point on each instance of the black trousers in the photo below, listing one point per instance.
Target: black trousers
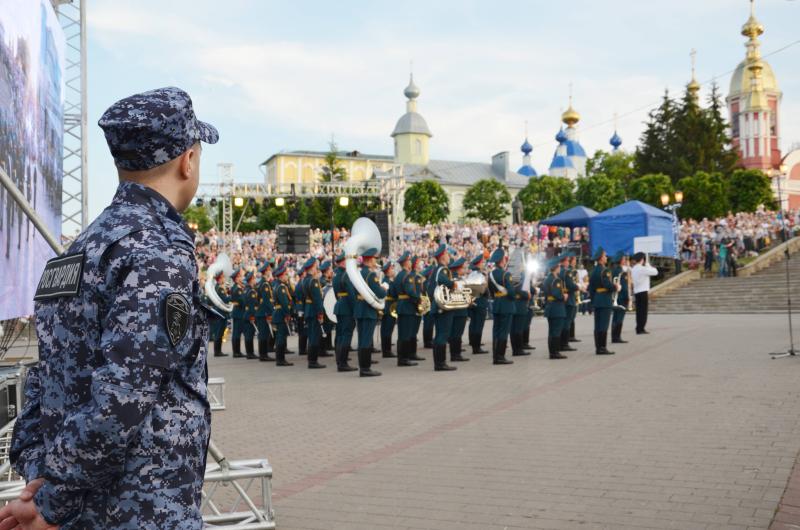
(641, 311)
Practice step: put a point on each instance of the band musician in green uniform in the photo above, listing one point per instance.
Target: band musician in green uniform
(477, 311)
(326, 277)
(282, 314)
(366, 315)
(570, 287)
(502, 290)
(407, 301)
(313, 312)
(218, 325)
(344, 309)
(601, 287)
(459, 317)
(555, 310)
(236, 298)
(387, 320)
(620, 269)
(419, 280)
(264, 312)
(443, 319)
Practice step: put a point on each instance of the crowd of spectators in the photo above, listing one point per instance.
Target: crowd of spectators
(716, 244)
(719, 245)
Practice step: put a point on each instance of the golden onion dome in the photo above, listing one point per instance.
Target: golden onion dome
(741, 80)
(570, 116)
(752, 28)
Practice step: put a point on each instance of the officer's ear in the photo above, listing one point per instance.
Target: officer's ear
(190, 162)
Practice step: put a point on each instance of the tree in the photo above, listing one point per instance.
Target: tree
(199, 215)
(270, 216)
(618, 165)
(333, 169)
(704, 195)
(748, 189)
(599, 192)
(545, 196)
(726, 158)
(655, 152)
(487, 200)
(648, 188)
(426, 202)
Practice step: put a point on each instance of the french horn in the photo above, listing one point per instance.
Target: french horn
(222, 263)
(363, 235)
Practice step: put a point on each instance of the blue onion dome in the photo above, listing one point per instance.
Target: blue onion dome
(526, 147)
(615, 141)
(561, 136)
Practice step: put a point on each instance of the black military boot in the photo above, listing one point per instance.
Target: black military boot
(572, 333)
(341, 360)
(526, 339)
(302, 343)
(218, 348)
(280, 357)
(518, 345)
(440, 359)
(248, 348)
(386, 348)
(616, 335)
(412, 355)
(313, 356)
(604, 337)
(263, 353)
(427, 338)
(552, 346)
(475, 342)
(455, 352)
(564, 341)
(237, 348)
(500, 354)
(365, 362)
(404, 353)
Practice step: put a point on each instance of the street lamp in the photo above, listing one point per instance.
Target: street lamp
(344, 202)
(676, 227)
(238, 202)
(778, 174)
(280, 202)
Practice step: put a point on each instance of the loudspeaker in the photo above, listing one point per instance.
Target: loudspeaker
(381, 220)
(294, 239)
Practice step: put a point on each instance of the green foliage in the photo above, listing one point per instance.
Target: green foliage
(426, 202)
(487, 200)
(599, 192)
(270, 216)
(199, 215)
(704, 195)
(682, 138)
(618, 165)
(748, 189)
(648, 188)
(333, 169)
(545, 196)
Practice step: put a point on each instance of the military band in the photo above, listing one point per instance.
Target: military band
(264, 303)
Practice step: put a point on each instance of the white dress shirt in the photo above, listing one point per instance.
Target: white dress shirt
(641, 277)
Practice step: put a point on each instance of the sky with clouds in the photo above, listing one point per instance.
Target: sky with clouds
(285, 75)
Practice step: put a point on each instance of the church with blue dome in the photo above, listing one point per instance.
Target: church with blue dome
(569, 160)
(527, 169)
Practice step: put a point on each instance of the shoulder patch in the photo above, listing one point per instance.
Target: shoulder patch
(176, 317)
(61, 277)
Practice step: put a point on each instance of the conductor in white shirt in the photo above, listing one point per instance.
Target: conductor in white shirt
(641, 273)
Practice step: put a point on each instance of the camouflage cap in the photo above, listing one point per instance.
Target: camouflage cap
(149, 129)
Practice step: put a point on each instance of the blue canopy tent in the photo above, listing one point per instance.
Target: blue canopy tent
(574, 217)
(615, 228)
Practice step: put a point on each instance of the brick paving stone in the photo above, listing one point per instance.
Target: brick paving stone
(689, 427)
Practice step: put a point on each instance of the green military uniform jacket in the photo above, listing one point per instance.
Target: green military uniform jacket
(601, 286)
(283, 305)
(345, 294)
(553, 288)
(568, 279)
(238, 300)
(363, 309)
(503, 302)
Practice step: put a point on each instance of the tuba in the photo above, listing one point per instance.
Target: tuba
(329, 302)
(222, 263)
(363, 235)
(459, 297)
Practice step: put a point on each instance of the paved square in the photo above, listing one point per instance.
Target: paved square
(690, 427)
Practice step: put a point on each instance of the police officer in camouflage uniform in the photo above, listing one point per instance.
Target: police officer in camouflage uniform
(116, 421)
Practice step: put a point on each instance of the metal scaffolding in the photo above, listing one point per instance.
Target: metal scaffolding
(74, 194)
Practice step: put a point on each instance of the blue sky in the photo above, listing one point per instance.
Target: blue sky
(285, 75)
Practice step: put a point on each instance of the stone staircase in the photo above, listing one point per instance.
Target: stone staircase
(761, 292)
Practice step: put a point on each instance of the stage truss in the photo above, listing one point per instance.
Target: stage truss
(74, 194)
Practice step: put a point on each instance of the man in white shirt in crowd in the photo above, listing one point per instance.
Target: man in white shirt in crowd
(641, 274)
